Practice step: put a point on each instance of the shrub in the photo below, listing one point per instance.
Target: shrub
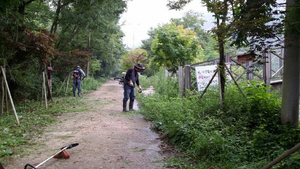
(246, 133)
(88, 84)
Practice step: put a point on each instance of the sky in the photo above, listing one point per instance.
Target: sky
(141, 15)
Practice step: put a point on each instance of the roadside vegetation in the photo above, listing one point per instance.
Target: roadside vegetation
(246, 134)
(34, 117)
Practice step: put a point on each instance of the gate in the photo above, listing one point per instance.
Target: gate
(267, 67)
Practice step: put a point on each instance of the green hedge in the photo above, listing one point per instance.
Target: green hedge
(246, 134)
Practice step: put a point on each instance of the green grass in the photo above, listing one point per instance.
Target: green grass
(34, 117)
(246, 133)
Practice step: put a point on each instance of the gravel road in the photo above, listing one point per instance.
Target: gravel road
(107, 137)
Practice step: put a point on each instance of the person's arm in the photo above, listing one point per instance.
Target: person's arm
(138, 83)
(129, 76)
(83, 74)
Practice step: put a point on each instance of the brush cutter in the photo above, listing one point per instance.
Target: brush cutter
(61, 154)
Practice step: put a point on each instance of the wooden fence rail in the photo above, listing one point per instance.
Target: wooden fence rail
(270, 73)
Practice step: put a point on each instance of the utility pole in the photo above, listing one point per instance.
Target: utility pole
(133, 39)
(133, 30)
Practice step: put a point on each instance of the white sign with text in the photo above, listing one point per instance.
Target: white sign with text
(205, 73)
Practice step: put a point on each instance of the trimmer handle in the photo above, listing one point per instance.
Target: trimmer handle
(62, 149)
(32, 167)
(70, 146)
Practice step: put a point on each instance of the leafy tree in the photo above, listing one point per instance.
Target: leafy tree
(94, 32)
(232, 21)
(25, 47)
(193, 21)
(221, 11)
(152, 67)
(146, 44)
(259, 24)
(210, 51)
(65, 33)
(173, 46)
(134, 57)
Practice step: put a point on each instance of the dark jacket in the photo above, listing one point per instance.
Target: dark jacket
(132, 75)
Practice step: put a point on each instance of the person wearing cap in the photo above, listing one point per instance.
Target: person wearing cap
(78, 76)
(121, 81)
(131, 78)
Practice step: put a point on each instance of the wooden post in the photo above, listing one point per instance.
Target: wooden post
(187, 78)
(88, 68)
(181, 80)
(281, 61)
(67, 85)
(6, 99)
(44, 88)
(267, 68)
(42, 91)
(2, 102)
(249, 70)
(89, 47)
(11, 100)
(283, 156)
(49, 79)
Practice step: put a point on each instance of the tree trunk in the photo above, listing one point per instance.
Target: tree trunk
(221, 32)
(221, 71)
(49, 80)
(290, 84)
(75, 32)
(55, 22)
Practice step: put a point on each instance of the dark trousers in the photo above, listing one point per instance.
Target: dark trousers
(128, 94)
(77, 84)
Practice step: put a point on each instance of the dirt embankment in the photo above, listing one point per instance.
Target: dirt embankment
(107, 137)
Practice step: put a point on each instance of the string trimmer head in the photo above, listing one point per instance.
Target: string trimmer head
(61, 154)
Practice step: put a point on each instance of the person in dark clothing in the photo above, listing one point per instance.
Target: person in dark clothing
(121, 81)
(1, 167)
(78, 76)
(131, 78)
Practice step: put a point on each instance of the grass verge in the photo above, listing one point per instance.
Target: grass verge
(34, 117)
(245, 134)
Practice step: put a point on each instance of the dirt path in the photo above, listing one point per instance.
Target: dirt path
(107, 137)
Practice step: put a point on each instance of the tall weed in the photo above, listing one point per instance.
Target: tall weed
(246, 133)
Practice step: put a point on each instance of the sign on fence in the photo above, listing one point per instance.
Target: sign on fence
(205, 73)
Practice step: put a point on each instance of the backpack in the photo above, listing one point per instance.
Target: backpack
(76, 73)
